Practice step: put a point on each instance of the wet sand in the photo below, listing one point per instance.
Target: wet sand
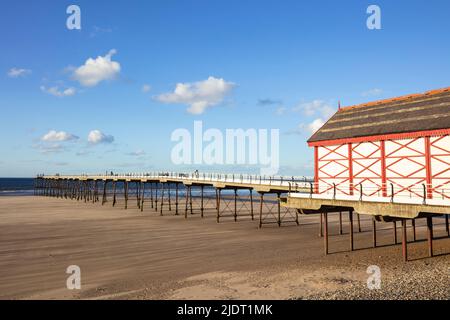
(129, 254)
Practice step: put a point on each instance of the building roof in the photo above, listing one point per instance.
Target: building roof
(412, 113)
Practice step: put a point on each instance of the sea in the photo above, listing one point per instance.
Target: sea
(16, 186)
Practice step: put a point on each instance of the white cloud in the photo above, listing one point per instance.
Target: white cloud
(96, 137)
(57, 92)
(146, 88)
(18, 72)
(316, 107)
(372, 92)
(198, 95)
(315, 125)
(60, 136)
(96, 70)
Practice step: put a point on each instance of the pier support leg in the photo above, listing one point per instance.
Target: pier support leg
(404, 241)
(251, 203)
(138, 194)
(142, 196)
(413, 223)
(201, 201)
(104, 192)
(190, 199)
(261, 209)
(156, 197)
(374, 232)
(350, 218)
(114, 193)
(325, 216)
(187, 202)
(235, 205)
(321, 225)
(446, 225)
(279, 210)
(176, 199)
(218, 204)
(162, 199)
(151, 194)
(168, 195)
(125, 186)
(430, 235)
(395, 232)
(359, 222)
(340, 222)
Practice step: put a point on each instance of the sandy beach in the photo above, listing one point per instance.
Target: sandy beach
(129, 254)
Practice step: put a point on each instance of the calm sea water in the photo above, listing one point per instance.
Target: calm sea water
(16, 186)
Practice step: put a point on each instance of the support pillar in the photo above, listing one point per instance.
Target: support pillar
(162, 199)
(261, 209)
(235, 205)
(430, 235)
(321, 225)
(325, 216)
(404, 241)
(114, 193)
(187, 202)
(395, 232)
(218, 204)
(104, 192)
(143, 196)
(201, 201)
(176, 199)
(446, 225)
(279, 210)
(251, 204)
(340, 222)
(350, 216)
(125, 186)
(374, 232)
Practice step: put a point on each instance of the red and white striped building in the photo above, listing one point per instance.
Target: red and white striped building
(399, 147)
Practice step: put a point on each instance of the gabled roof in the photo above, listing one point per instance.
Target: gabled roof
(412, 113)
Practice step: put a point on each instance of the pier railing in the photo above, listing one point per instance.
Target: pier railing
(300, 182)
(419, 193)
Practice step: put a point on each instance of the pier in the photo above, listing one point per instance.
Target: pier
(268, 200)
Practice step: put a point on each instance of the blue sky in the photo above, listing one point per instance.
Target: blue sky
(284, 65)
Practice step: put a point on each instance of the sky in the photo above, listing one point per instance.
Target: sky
(109, 96)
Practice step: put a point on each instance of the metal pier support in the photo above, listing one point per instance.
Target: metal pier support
(430, 235)
(325, 216)
(374, 232)
(350, 216)
(395, 231)
(404, 241)
(142, 196)
(114, 193)
(218, 191)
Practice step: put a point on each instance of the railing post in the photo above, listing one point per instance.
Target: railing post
(424, 193)
(334, 191)
(360, 191)
(392, 192)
